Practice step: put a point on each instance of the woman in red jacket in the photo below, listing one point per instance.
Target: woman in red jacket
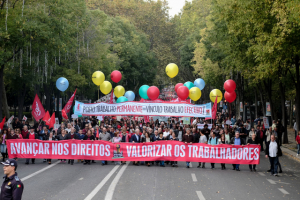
(298, 142)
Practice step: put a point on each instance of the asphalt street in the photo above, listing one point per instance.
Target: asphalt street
(85, 182)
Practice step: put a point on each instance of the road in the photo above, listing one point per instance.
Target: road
(79, 182)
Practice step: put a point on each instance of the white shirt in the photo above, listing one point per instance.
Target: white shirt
(166, 134)
(202, 139)
(228, 122)
(295, 126)
(273, 149)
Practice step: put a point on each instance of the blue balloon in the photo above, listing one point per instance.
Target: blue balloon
(143, 91)
(199, 82)
(62, 84)
(121, 99)
(130, 95)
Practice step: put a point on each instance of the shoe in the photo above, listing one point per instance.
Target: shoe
(82, 161)
(275, 174)
(148, 165)
(176, 165)
(280, 171)
(85, 163)
(72, 163)
(269, 170)
(162, 166)
(224, 167)
(271, 174)
(93, 162)
(250, 170)
(102, 164)
(233, 168)
(137, 164)
(27, 163)
(33, 163)
(44, 160)
(198, 166)
(212, 168)
(238, 170)
(49, 163)
(297, 155)
(254, 170)
(203, 166)
(69, 161)
(89, 163)
(187, 166)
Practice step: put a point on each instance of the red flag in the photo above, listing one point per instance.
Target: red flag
(52, 120)
(111, 97)
(38, 111)
(97, 135)
(68, 106)
(46, 117)
(2, 123)
(214, 109)
(64, 114)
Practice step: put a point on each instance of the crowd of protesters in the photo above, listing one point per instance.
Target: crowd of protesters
(223, 130)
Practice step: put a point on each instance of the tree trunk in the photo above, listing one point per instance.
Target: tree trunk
(268, 86)
(263, 103)
(291, 114)
(21, 98)
(48, 96)
(256, 113)
(284, 117)
(297, 103)
(4, 102)
(1, 93)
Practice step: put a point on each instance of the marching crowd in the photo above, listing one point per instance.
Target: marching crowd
(223, 131)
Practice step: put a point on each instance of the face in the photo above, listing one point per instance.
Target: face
(237, 135)
(104, 130)
(253, 136)
(86, 126)
(80, 132)
(8, 169)
(272, 138)
(156, 133)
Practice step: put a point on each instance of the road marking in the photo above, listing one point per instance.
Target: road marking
(200, 195)
(40, 171)
(102, 183)
(271, 181)
(194, 178)
(283, 191)
(111, 189)
(191, 164)
(80, 179)
(297, 175)
(260, 173)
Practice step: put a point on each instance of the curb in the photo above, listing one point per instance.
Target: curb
(290, 154)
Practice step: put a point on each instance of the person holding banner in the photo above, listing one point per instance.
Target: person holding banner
(88, 136)
(3, 138)
(202, 139)
(147, 139)
(188, 139)
(63, 136)
(252, 140)
(237, 141)
(50, 138)
(105, 136)
(222, 140)
(31, 135)
(136, 139)
(213, 140)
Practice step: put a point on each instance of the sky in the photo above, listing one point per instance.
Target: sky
(176, 6)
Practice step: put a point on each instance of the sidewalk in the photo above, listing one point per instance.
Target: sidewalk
(290, 149)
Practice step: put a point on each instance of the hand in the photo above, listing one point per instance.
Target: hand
(248, 144)
(232, 144)
(132, 141)
(81, 139)
(73, 139)
(185, 142)
(191, 143)
(266, 156)
(143, 142)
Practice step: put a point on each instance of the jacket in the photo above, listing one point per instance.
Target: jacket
(60, 137)
(92, 137)
(241, 139)
(35, 135)
(76, 137)
(144, 139)
(196, 137)
(134, 138)
(187, 138)
(258, 135)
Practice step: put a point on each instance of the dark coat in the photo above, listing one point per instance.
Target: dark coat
(91, 138)
(134, 139)
(60, 137)
(187, 138)
(76, 137)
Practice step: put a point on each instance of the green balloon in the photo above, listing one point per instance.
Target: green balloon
(121, 99)
(74, 111)
(189, 84)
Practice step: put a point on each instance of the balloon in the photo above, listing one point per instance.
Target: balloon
(195, 93)
(183, 92)
(153, 92)
(130, 95)
(116, 76)
(172, 70)
(121, 99)
(143, 91)
(119, 91)
(98, 77)
(177, 86)
(229, 85)
(230, 97)
(199, 82)
(62, 84)
(105, 87)
(214, 93)
(74, 112)
(188, 84)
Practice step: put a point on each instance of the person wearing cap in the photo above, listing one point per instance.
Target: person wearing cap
(31, 135)
(12, 187)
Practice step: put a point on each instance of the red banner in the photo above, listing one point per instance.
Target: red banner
(38, 111)
(68, 106)
(162, 150)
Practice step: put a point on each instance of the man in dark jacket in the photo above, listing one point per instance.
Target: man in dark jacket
(272, 152)
(188, 139)
(237, 141)
(196, 135)
(260, 136)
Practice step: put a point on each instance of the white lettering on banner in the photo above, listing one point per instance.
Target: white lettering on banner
(146, 109)
(35, 152)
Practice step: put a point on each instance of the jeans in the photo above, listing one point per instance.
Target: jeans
(3, 148)
(274, 164)
(212, 165)
(41, 137)
(295, 135)
(187, 164)
(252, 166)
(298, 145)
(236, 166)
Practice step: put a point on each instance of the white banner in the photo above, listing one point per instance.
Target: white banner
(142, 109)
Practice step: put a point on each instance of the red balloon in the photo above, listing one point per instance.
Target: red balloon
(229, 85)
(230, 97)
(116, 76)
(177, 86)
(153, 92)
(183, 92)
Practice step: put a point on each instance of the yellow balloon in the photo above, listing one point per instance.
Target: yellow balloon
(195, 93)
(172, 70)
(98, 78)
(105, 87)
(119, 91)
(214, 93)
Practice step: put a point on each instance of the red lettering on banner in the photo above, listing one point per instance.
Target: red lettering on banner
(162, 150)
